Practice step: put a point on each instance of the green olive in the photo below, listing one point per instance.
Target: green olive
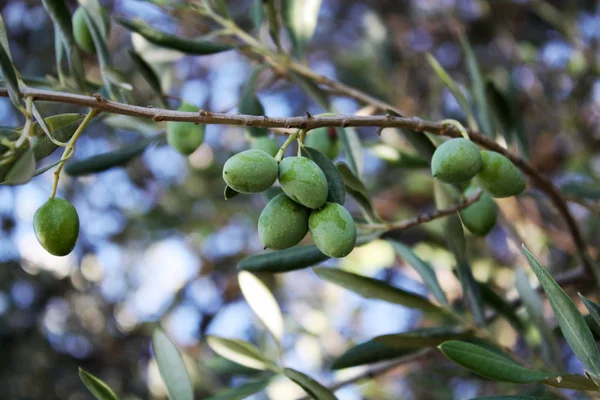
(56, 226)
(480, 217)
(499, 176)
(455, 161)
(266, 145)
(325, 140)
(251, 171)
(333, 230)
(81, 32)
(303, 181)
(283, 223)
(185, 137)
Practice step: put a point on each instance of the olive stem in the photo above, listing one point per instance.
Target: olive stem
(458, 126)
(70, 148)
(288, 141)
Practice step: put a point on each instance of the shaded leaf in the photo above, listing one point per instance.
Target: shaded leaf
(262, 302)
(335, 182)
(454, 89)
(243, 391)
(310, 386)
(422, 144)
(594, 309)
(423, 337)
(171, 367)
(300, 20)
(105, 161)
(149, 75)
(397, 157)
(270, 6)
(582, 189)
(510, 398)
(423, 269)
(251, 105)
(571, 323)
(352, 148)
(10, 77)
(569, 381)
(257, 12)
(4, 38)
(500, 305)
(481, 104)
(368, 352)
(229, 193)
(163, 39)
(501, 108)
(312, 89)
(518, 121)
(490, 364)
(535, 308)
(356, 189)
(291, 259)
(98, 388)
(22, 170)
(240, 352)
(221, 8)
(117, 78)
(375, 289)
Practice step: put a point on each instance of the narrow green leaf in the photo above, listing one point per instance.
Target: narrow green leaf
(518, 120)
(335, 182)
(262, 302)
(500, 305)
(454, 89)
(398, 158)
(310, 386)
(251, 105)
(163, 39)
(59, 53)
(481, 104)
(221, 8)
(105, 161)
(535, 308)
(454, 234)
(300, 20)
(490, 364)
(118, 78)
(22, 170)
(368, 352)
(4, 38)
(243, 391)
(312, 89)
(149, 75)
(510, 398)
(283, 261)
(240, 352)
(423, 337)
(171, 367)
(223, 366)
(375, 289)
(423, 269)
(571, 323)
(569, 381)
(352, 148)
(356, 189)
(229, 193)
(501, 109)
(593, 308)
(589, 190)
(272, 18)
(257, 12)
(98, 388)
(10, 77)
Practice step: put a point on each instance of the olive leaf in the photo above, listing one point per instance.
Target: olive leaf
(240, 352)
(188, 46)
(300, 20)
(571, 323)
(500, 305)
(272, 18)
(262, 302)
(356, 189)
(22, 170)
(251, 105)
(422, 144)
(291, 259)
(398, 158)
(594, 309)
(221, 8)
(10, 77)
(335, 182)
(229, 193)
(105, 161)
(368, 352)
(98, 388)
(584, 189)
(501, 108)
(510, 398)
(171, 367)
(310, 386)
(353, 150)
(243, 391)
(257, 12)
(312, 89)
(423, 337)
(149, 75)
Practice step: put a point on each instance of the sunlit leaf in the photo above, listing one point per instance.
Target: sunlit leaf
(188, 46)
(335, 182)
(375, 289)
(490, 364)
(300, 20)
(243, 391)
(171, 367)
(397, 157)
(368, 352)
(251, 105)
(98, 388)
(240, 352)
(571, 323)
(423, 337)
(291, 259)
(510, 398)
(423, 269)
(310, 386)
(535, 308)
(118, 78)
(105, 161)
(262, 302)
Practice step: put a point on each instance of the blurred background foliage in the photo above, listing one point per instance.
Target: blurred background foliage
(159, 245)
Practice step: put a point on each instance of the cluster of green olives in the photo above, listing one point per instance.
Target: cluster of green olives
(303, 205)
(56, 226)
(459, 160)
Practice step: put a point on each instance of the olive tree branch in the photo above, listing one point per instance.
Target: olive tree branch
(306, 123)
(425, 217)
